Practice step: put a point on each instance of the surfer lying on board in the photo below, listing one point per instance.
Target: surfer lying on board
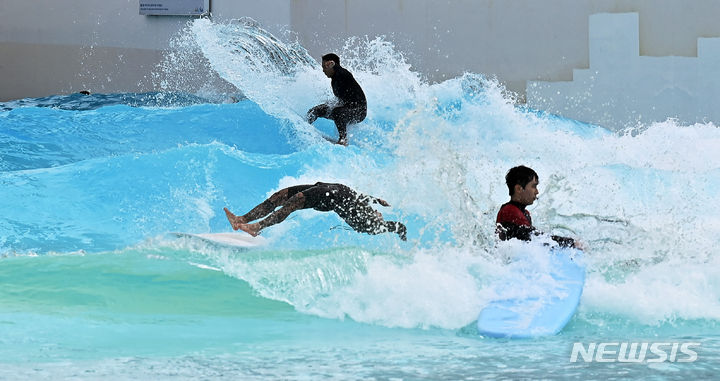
(353, 105)
(513, 219)
(351, 206)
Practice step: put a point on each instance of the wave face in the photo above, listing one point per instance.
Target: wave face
(93, 184)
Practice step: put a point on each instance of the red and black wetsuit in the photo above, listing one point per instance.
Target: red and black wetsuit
(514, 221)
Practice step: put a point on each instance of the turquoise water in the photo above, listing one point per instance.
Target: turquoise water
(94, 286)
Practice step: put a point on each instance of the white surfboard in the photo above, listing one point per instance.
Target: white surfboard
(240, 240)
(533, 316)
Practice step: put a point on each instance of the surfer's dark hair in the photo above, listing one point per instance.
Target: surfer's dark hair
(331, 57)
(520, 175)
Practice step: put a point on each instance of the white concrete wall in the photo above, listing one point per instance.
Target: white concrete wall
(54, 47)
(50, 47)
(516, 40)
(623, 89)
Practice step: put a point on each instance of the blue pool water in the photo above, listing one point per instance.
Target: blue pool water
(94, 286)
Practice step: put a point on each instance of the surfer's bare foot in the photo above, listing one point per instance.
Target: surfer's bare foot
(252, 229)
(235, 221)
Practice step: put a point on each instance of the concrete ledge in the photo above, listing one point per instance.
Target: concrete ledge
(623, 89)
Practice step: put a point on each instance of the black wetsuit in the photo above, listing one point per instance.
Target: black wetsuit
(351, 206)
(353, 108)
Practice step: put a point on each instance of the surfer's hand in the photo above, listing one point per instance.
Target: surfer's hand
(382, 202)
(579, 245)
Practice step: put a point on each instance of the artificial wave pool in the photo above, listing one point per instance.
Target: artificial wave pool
(94, 286)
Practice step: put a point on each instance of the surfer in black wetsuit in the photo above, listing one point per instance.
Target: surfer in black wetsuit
(351, 206)
(353, 105)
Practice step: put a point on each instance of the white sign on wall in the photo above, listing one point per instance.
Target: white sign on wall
(174, 7)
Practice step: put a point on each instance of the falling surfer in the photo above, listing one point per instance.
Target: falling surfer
(351, 206)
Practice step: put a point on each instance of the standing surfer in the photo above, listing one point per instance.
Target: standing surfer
(353, 105)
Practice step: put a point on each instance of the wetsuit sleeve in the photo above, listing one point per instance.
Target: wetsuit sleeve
(319, 111)
(525, 233)
(366, 199)
(512, 223)
(509, 230)
(563, 241)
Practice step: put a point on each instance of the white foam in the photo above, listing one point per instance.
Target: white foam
(644, 195)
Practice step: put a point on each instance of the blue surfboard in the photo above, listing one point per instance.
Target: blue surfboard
(546, 309)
